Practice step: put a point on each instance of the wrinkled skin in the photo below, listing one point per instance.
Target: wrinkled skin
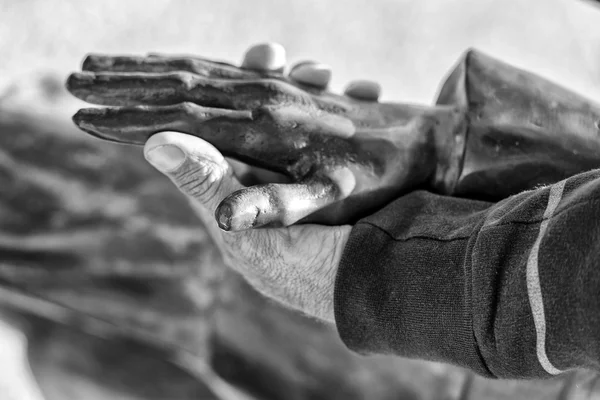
(344, 157)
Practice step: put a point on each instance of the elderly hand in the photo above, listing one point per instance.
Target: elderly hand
(296, 265)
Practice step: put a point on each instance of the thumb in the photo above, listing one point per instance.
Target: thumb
(195, 166)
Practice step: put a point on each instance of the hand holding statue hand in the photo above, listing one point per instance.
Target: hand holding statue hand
(296, 265)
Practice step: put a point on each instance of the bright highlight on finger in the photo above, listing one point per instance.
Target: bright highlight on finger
(311, 73)
(265, 57)
(275, 204)
(363, 90)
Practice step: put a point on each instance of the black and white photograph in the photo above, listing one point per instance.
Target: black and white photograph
(299, 200)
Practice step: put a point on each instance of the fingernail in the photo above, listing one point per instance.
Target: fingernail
(265, 56)
(97, 62)
(223, 215)
(363, 90)
(165, 157)
(311, 73)
(235, 218)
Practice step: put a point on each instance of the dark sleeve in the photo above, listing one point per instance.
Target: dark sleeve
(508, 290)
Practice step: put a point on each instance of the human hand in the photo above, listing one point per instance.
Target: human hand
(296, 265)
(345, 157)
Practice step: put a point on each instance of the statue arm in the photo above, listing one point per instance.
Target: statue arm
(521, 130)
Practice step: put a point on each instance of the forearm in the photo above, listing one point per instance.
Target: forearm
(520, 131)
(509, 290)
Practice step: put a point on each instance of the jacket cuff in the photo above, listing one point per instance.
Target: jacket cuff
(407, 296)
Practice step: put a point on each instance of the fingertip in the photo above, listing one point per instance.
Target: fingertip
(244, 209)
(311, 73)
(235, 216)
(96, 62)
(78, 80)
(87, 120)
(265, 57)
(158, 141)
(363, 90)
(80, 117)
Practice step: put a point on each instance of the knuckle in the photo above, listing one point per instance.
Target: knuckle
(186, 107)
(263, 115)
(184, 79)
(187, 111)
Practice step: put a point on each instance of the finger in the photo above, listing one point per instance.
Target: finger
(282, 204)
(195, 166)
(265, 57)
(251, 137)
(130, 89)
(311, 73)
(123, 89)
(273, 204)
(363, 90)
(134, 125)
(166, 64)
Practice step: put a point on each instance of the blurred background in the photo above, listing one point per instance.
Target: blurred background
(88, 228)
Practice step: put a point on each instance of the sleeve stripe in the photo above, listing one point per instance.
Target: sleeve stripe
(534, 289)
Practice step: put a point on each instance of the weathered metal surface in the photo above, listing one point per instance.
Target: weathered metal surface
(495, 130)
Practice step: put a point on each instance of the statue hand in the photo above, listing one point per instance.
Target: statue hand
(345, 157)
